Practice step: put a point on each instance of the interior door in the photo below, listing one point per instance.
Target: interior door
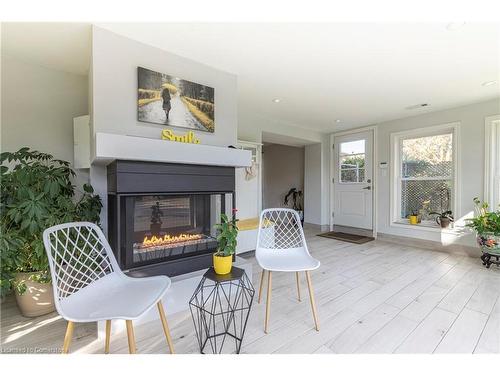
(352, 180)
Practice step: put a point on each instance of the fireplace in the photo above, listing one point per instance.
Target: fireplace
(162, 216)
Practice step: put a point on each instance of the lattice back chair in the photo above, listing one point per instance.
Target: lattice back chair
(280, 229)
(89, 285)
(79, 255)
(281, 246)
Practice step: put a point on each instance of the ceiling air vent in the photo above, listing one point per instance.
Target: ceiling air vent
(416, 106)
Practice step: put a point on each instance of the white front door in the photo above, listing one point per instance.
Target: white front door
(352, 180)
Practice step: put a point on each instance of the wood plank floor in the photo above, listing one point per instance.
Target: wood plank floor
(378, 297)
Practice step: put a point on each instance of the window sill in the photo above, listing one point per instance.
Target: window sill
(429, 227)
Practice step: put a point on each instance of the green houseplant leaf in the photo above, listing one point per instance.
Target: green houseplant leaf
(226, 237)
(484, 221)
(36, 193)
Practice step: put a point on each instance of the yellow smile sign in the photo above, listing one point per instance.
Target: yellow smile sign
(189, 137)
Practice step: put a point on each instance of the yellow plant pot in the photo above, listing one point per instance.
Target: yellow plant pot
(413, 219)
(223, 265)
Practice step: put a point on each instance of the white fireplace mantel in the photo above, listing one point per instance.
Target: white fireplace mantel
(110, 147)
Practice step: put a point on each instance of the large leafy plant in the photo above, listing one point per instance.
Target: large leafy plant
(227, 233)
(485, 221)
(36, 193)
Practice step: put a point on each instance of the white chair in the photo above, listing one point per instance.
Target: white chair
(89, 285)
(281, 246)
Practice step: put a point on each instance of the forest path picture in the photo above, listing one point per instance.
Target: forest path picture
(172, 101)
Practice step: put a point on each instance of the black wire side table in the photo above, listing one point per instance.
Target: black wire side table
(220, 307)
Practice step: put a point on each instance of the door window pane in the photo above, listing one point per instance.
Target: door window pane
(353, 147)
(352, 161)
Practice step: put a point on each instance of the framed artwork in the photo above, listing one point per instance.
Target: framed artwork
(171, 101)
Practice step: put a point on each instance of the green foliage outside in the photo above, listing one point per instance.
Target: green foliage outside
(354, 160)
(228, 231)
(431, 150)
(36, 193)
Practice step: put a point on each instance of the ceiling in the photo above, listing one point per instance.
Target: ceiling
(56, 45)
(357, 73)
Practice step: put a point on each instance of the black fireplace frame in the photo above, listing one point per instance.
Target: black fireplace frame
(137, 178)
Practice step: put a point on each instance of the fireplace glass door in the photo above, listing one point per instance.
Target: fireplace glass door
(168, 227)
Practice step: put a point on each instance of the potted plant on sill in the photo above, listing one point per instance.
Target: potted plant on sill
(486, 224)
(413, 218)
(36, 193)
(443, 219)
(226, 247)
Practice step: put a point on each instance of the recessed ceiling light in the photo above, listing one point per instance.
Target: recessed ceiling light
(415, 106)
(277, 100)
(337, 121)
(488, 83)
(454, 25)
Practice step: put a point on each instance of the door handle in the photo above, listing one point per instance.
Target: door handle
(367, 188)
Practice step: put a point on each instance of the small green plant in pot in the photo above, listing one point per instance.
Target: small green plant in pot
(226, 247)
(444, 219)
(486, 224)
(413, 218)
(36, 193)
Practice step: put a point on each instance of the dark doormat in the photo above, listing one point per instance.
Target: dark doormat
(347, 237)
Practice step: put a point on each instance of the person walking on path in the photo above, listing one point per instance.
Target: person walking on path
(165, 94)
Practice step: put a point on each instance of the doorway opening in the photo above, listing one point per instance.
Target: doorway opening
(290, 166)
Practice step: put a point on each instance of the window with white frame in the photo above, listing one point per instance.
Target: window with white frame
(424, 174)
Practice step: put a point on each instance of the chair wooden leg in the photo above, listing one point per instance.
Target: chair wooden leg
(261, 284)
(108, 336)
(311, 297)
(164, 323)
(268, 301)
(131, 337)
(298, 285)
(67, 337)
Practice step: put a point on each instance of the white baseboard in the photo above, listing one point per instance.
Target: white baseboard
(316, 227)
(458, 249)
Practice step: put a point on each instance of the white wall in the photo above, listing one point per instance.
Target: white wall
(247, 195)
(113, 84)
(312, 184)
(471, 160)
(38, 106)
(283, 169)
(251, 125)
(325, 180)
(250, 128)
(114, 87)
